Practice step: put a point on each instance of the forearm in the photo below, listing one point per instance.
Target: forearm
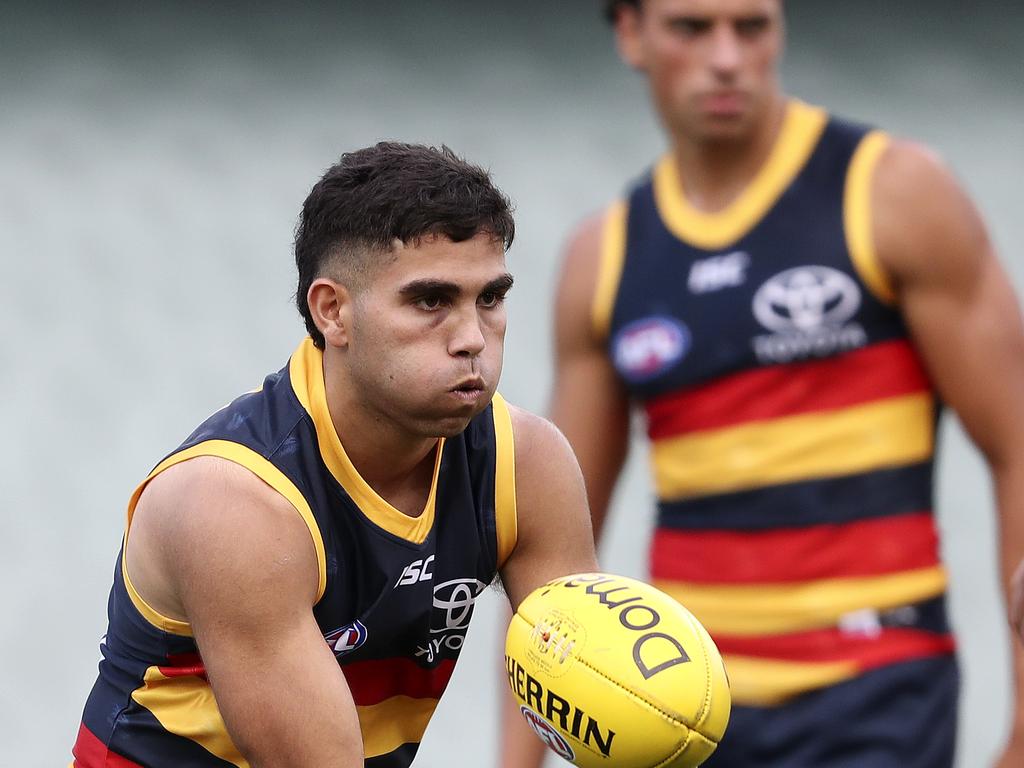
(1008, 478)
(520, 747)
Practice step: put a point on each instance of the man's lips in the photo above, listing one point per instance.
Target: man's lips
(723, 102)
(472, 384)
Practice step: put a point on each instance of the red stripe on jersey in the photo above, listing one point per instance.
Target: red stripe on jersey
(371, 682)
(868, 651)
(182, 665)
(90, 752)
(862, 548)
(886, 369)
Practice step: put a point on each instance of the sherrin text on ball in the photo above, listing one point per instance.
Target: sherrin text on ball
(610, 671)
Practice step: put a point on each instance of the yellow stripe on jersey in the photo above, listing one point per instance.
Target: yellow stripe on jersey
(801, 128)
(149, 613)
(755, 682)
(185, 707)
(857, 217)
(505, 517)
(306, 371)
(766, 609)
(265, 471)
(609, 272)
(393, 722)
(887, 433)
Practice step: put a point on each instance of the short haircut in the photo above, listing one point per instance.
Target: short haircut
(611, 8)
(392, 191)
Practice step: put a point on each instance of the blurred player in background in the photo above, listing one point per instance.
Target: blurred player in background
(788, 297)
(298, 576)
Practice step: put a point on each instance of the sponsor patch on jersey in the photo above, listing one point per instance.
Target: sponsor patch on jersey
(548, 733)
(809, 311)
(717, 272)
(346, 639)
(453, 609)
(648, 347)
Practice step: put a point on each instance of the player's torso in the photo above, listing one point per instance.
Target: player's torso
(397, 591)
(791, 422)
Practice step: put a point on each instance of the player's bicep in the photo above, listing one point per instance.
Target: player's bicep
(246, 574)
(554, 531)
(957, 302)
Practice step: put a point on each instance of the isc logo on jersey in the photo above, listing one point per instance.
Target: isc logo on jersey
(416, 571)
(718, 272)
(648, 347)
(809, 310)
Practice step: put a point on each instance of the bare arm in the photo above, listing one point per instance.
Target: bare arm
(212, 544)
(589, 403)
(965, 320)
(554, 539)
(590, 408)
(554, 534)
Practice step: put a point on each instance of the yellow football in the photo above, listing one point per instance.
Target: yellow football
(612, 672)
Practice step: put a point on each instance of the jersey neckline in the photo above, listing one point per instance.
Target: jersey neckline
(306, 372)
(801, 129)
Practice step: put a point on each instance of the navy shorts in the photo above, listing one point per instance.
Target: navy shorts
(899, 716)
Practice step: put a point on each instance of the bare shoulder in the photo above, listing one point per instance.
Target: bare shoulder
(583, 246)
(538, 442)
(581, 259)
(550, 496)
(923, 220)
(209, 521)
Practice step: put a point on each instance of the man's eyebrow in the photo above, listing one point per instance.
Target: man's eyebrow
(429, 285)
(499, 284)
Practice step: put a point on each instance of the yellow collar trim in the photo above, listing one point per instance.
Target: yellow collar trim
(801, 129)
(306, 371)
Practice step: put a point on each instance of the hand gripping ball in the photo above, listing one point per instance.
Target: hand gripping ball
(612, 672)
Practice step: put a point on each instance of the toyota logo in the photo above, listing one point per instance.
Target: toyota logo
(456, 598)
(806, 298)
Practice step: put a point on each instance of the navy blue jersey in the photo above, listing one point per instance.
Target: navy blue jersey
(791, 422)
(396, 592)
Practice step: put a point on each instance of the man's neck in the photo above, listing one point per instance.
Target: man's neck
(399, 466)
(715, 173)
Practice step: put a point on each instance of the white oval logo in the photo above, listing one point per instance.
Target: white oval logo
(647, 347)
(548, 734)
(806, 298)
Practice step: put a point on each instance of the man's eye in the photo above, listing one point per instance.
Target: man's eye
(491, 299)
(751, 27)
(430, 303)
(690, 27)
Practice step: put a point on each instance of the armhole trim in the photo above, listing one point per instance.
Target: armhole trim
(609, 270)
(505, 518)
(265, 471)
(857, 217)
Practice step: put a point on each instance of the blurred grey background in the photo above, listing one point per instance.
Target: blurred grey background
(152, 164)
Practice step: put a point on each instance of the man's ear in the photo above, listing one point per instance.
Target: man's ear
(330, 305)
(627, 36)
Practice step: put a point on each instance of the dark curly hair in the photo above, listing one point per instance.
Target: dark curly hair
(392, 191)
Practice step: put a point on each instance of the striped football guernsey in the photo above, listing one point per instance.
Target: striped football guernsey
(396, 592)
(791, 423)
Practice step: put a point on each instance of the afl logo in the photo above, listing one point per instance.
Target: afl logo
(548, 734)
(805, 299)
(645, 348)
(347, 638)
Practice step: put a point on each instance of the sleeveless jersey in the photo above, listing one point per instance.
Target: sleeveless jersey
(396, 593)
(791, 423)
